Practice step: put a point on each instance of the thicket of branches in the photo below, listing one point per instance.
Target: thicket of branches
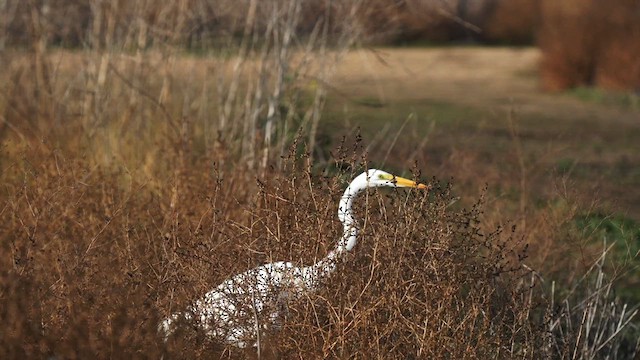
(92, 264)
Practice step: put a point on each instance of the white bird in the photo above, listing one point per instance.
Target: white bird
(239, 307)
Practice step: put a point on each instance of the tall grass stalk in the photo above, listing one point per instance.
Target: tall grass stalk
(588, 322)
(142, 84)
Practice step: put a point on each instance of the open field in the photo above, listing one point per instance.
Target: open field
(116, 218)
(478, 116)
(485, 105)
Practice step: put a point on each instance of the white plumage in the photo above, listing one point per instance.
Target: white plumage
(255, 296)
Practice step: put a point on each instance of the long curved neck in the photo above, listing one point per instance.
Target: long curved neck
(345, 214)
(349, 236)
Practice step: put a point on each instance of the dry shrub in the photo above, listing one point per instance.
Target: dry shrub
(587, 42)
(393, 22)
(424, 283)
(512, 21)
(90, 256)
(568, 49)
(506, 21)
(74, 271)
(440, 21)
(93, 259)
(618, 66)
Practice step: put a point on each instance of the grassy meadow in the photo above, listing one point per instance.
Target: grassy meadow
(142, 165)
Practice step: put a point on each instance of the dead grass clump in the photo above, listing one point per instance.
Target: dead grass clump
(74, 281)
(587, 320)
(588, 42)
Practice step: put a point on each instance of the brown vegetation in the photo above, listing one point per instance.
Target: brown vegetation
(201, 24)
(136, 178)
(126, 91)
(587, 43)
(584, 42)
(92, 262)
(512, 22)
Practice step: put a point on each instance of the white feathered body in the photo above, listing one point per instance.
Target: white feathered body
(244, 304)
(241, 306)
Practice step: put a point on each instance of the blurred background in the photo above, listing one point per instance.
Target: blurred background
(532, 97)
(533, 103)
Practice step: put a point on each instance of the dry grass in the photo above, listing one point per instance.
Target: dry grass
(100, 262)
(98, 251)
(92, 263)
(135, 179)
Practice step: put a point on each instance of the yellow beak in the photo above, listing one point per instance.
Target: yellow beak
(402, 182)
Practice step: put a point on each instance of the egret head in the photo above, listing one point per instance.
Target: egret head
(377, 178)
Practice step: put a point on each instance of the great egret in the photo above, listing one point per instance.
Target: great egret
(237, 308)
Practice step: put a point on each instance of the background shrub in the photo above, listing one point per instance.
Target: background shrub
(587, 42)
